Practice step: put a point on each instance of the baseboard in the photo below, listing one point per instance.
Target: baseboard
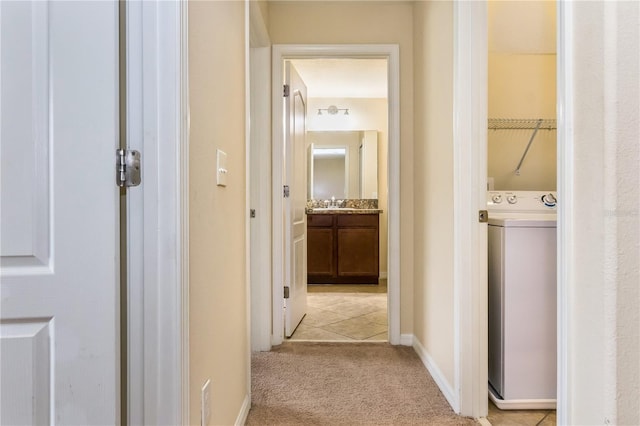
(244, 411)
(437, 375)
(406, 339)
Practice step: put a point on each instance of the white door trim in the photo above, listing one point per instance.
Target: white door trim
(565, 230)
(470, 237)
(157, 217)
(391, 52)
(472, 385)
(260, 179)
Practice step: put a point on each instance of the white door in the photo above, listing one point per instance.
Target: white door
(59, 225)
(295, 219)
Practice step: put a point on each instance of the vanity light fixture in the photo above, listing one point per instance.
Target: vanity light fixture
(333, 110)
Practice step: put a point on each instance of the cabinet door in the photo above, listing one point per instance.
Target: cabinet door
(320, 252)
(357, 251)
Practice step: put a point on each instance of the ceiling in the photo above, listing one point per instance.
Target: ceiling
(343, 77)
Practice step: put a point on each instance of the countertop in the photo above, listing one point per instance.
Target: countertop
(339, 210)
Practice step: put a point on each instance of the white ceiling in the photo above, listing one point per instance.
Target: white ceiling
(343, 78)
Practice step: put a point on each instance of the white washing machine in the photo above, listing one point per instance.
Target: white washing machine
(522, 299)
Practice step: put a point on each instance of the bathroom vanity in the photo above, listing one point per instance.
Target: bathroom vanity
(343, 246)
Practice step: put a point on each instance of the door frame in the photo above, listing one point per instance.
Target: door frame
(470, 237)
(279, 54)
(158, 213)
(470, 31)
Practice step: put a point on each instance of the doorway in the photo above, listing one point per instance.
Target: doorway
(522, 161)
(346, 148)
(389, 53)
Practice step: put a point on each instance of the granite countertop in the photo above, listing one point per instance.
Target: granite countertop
(339, 210)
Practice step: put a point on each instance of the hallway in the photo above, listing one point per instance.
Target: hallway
(305, 383)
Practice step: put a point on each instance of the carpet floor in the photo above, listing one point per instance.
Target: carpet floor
(310, 383)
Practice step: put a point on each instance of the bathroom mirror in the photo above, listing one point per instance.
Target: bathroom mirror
(342, 164)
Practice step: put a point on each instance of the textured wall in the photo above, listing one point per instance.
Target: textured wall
(600, 221)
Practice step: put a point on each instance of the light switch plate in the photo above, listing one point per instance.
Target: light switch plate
(221, 168)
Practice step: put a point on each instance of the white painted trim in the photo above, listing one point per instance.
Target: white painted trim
(437, 375)
(183, 220)
(277, 209)
(158, 212)
(135, 219)
(261, 294)
(483, 421)
(407, 339)
(391, 52)
(565, 230)
(470, 237)
(260, 179)
(247, 192)
(244, 411)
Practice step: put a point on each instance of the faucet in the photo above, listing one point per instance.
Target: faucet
(333, 201)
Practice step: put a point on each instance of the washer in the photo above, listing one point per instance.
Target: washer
(522, 299)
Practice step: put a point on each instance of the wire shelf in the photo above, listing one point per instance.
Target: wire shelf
(522, 123)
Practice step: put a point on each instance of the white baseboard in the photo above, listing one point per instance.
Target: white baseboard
(406, 339)
(438, 377)
(244, 411)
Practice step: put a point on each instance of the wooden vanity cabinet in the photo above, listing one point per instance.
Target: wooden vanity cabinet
(343, 248)
(321, 262)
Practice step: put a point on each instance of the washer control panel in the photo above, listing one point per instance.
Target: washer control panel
(533, 201)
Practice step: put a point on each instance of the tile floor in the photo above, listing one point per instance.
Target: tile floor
(499, 417)
(339, 313)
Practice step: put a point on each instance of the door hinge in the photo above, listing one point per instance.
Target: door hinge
(127, 168)
(285, 91)
(483, 216)
(252, 213)
(286, 292)
(286, 191)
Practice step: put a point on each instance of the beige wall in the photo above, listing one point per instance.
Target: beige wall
(433, 191)
(217, 293)
(356, 22)
(522, 86)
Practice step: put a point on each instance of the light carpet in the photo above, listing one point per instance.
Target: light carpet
(310, 383)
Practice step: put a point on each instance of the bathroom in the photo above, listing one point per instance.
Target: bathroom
(346, 139)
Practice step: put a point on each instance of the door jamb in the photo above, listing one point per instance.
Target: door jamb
(470, 237)
(391, 53)
(158, 215)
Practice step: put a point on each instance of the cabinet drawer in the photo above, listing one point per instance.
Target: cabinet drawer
(357, 220)
(320, 220)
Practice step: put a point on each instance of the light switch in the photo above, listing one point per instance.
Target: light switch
(221, 168)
